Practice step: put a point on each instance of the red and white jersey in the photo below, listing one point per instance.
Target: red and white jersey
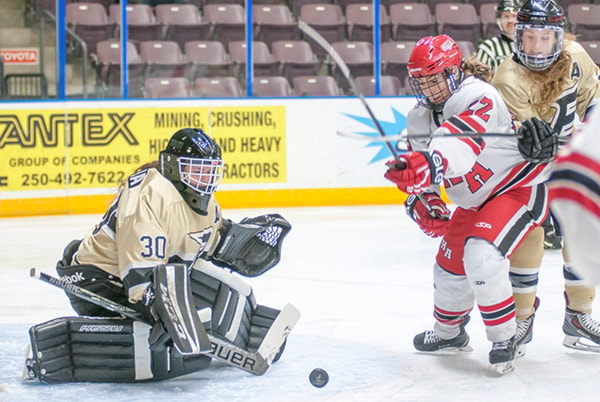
(478, 168)
(575, 197)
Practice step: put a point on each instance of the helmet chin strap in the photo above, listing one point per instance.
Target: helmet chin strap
(198, 203)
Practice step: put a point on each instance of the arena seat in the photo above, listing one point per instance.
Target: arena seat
(318, 85)
(218, 87)
(411, 21)
(274, 86)
(207, 59)
(182, 23)
(295, 58)
(459, 21)
(168, 87)
(227, 22)
(163, 59)
(90, 22)
(359, 21)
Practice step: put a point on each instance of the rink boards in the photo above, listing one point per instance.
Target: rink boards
(70, 157)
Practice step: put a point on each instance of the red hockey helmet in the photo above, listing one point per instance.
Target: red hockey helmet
(435, 55)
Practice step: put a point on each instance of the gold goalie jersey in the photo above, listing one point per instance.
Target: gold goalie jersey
(582, 89)
(148, 224)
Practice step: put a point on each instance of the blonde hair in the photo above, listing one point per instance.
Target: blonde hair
(552, 81)
(472, 66)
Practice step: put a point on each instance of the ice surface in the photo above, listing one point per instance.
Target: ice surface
(361, 277)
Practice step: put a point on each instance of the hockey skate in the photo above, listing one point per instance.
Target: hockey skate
(552, 241)
(430, 342)
(524, 332)
(582, 332)
(503, 355)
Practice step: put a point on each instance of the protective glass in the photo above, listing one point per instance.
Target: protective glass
(202, 175)
(538, 47)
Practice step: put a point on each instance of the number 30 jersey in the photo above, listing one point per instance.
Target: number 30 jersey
(148, 224)
(478, 168)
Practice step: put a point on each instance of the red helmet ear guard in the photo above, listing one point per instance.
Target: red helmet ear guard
(432, 55)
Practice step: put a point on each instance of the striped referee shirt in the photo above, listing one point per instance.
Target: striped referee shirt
(493, 51)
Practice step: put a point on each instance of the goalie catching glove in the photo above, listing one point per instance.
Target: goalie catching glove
(252, 246)
(538, 142)
(432, 227)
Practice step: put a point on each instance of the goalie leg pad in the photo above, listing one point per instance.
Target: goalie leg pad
(86, 349)
(228, 299)
(175, 309)
(236, 317)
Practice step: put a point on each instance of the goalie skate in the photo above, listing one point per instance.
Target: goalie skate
(28, 371)
(503, 355)
(582, 332)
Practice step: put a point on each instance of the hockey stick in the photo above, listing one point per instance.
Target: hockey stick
(254, 363)
(317, 37)
(403, 137)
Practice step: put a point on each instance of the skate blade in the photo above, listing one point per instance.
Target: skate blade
(521, 350)
(578, 343)
(448, 351)
(504, 368)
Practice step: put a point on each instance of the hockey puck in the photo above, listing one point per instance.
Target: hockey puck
(318, 377)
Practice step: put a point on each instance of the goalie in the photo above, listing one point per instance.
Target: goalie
(152, 252)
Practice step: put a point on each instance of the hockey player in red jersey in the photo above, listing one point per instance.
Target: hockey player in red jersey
(160, 250)
(499, 196)
(552, 78)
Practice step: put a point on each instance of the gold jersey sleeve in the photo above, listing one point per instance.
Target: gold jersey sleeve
(582, 89)
(152, 225)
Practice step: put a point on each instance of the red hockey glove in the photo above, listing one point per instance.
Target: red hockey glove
(418, 171)
(432, 227)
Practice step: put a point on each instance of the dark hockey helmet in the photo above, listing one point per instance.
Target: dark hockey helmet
(503, 6)
(435, 70)
(539, 21)
(507, 5)
(192, 161)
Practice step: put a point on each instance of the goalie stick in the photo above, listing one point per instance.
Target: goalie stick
(317, 37)
(256, 363)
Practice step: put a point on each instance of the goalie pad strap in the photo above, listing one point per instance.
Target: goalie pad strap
(86, 349)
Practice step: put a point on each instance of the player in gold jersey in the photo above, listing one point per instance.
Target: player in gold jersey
(550, 77)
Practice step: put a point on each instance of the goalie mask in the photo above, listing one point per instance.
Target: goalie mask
(434, 69)
(539, 34)
(192, 161)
